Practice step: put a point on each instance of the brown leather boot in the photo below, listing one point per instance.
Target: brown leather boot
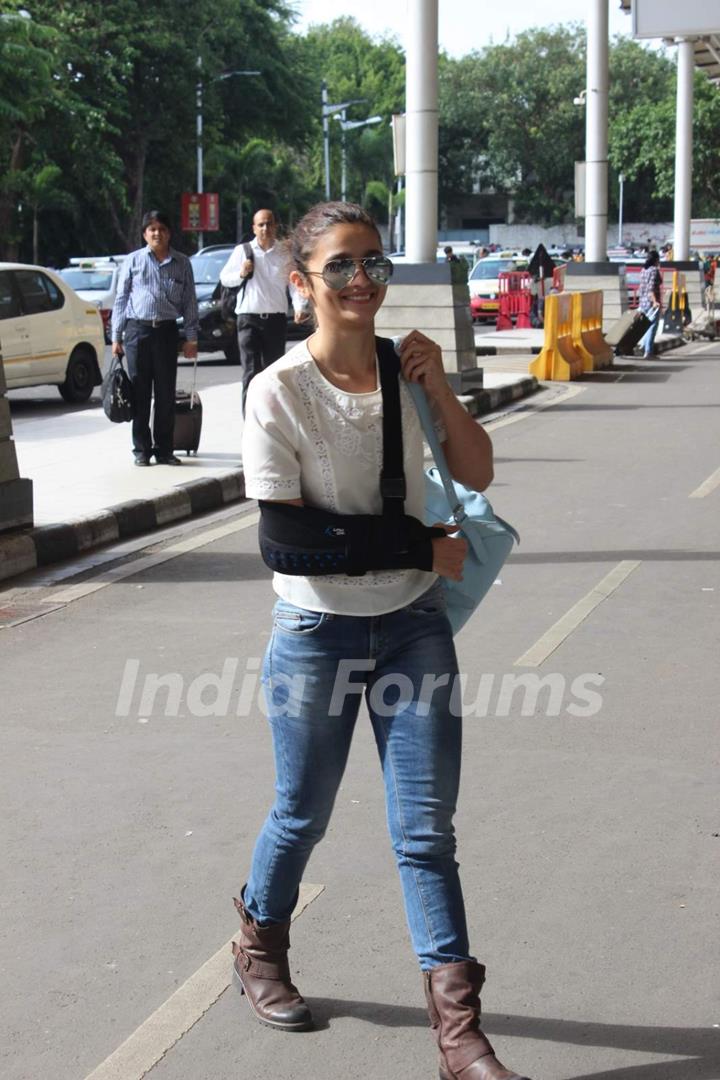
(261, 971)
(452, 992)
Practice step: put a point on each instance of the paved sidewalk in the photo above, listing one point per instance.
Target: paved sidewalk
(87, 492)
(530, 342)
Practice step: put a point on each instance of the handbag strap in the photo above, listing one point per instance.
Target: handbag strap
(392, 477)
(423, 408)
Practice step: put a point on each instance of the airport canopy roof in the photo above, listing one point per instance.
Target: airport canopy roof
(706, 50)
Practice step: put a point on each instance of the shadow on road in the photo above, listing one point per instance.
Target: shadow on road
(696, 1050)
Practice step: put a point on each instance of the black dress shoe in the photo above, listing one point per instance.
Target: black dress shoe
(169, 460)
(142, 459)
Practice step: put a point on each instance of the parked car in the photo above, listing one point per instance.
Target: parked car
(484, 285)
(48, 334)
(95, 279)
(217, 334)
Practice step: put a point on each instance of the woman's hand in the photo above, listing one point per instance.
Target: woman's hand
(449, 554)
(421, 361)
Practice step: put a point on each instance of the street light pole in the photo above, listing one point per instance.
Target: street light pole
(327, 112)
(198, 135)
(348, 125)
(199, 124)
(326, 139)
(343, 157)
(621, 181)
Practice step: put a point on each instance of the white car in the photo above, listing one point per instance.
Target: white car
(95, 279)
(48, 334)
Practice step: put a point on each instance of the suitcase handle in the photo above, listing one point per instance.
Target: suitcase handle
(194, 383)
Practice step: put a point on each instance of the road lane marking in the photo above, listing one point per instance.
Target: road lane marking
(707, 486)
(181, 547)
(562, 629)
(134, 1058)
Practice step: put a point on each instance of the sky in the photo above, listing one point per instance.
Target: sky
(464, 25)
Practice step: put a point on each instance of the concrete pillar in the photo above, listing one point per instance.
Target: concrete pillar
(596, 132)
(16, 496)
(421, 132)
(426, 295)
(683, 150)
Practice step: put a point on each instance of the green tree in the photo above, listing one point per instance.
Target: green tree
(122, 123)
(26, 92)
(642, 146)
(508, 122)
(355, 66)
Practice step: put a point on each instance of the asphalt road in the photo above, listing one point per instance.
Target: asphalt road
(588, 831)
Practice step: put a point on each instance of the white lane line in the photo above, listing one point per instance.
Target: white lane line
(526, 409)
(712, 346)
(182, 547)
(562, 629)
(134, 1058)
(707, 486)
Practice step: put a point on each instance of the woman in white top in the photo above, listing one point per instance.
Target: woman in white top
(313, 437)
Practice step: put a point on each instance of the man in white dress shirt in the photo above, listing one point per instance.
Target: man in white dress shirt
(262, 301)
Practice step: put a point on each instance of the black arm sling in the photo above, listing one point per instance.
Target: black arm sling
(306, 541)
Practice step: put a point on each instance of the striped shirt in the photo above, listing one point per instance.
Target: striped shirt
(148, 289)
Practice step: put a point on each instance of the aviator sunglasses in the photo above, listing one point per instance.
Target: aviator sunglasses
(339, 272)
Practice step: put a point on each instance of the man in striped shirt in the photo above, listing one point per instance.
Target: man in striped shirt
(156, 286)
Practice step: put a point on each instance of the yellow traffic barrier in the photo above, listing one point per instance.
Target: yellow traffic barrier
(558, 359)
(579, 345)
(677, 313)
(587, 330)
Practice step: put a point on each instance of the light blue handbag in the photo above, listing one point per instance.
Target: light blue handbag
(489, 538)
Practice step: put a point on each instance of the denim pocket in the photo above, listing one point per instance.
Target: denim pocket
(293, 620)
(431, 602)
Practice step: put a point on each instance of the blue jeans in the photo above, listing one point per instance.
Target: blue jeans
(317, 668)
(648, 340)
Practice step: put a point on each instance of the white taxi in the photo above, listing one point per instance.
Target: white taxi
(96, 280)
(48, 334)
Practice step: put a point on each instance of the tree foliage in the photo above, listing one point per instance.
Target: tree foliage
(121, 120)
(508, 124)
(98, 119)
(355, 67)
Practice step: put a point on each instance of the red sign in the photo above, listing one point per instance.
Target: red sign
(200, 212)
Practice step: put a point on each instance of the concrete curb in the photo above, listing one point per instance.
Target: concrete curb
(508, 350)
(480, 402)
(29, 549)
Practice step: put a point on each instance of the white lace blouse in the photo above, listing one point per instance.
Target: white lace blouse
(305, 438)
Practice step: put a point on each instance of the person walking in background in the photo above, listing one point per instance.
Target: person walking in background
(155, 288)
(650, 300)
(313, 439)
(262, 299)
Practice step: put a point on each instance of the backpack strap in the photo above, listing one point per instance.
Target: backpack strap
(247, 248)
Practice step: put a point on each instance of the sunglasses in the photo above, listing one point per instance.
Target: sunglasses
(339, 272)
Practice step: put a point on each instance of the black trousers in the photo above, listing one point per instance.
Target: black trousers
(261, 341)
(152, 354)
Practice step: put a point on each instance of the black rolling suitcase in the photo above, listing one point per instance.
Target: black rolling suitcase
(624, 334)
(188, 421)
(188, 418)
